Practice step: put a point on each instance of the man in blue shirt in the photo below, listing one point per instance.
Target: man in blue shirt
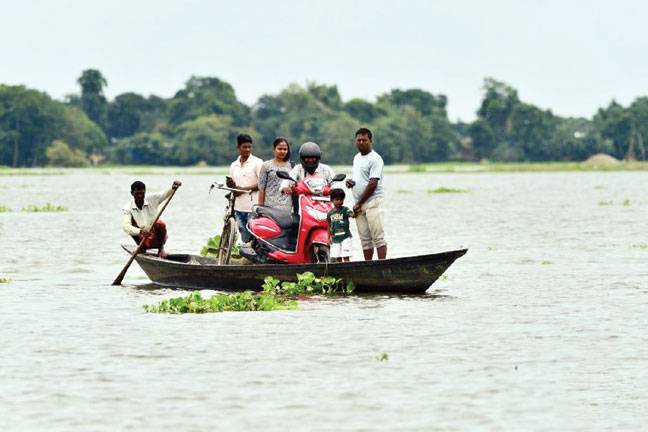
(367, 184)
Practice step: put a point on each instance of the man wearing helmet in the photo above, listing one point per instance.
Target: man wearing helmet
(309, 155)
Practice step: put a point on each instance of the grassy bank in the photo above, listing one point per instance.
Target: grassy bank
(437, 168)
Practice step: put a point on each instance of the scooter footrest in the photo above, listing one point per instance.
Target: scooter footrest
(248, 253)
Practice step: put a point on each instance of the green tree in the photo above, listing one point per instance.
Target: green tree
(210, 138)
(362, 110)
(205, 96)
(143, 148)
(337, 139)
(29, 121)
(93, 101)
(60, 154)
(81, 132)
(130, 113)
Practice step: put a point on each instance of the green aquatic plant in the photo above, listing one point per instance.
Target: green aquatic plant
(640, 246)
(626, 202)
(236, 302)
(605, 203)
(447, 190)
(46, 208)
(276, 295)
(5, 280)
(547, 262)
(211, 248)
(599, 187)
(308, 284)
(4, 209)
(417, 168)
(403, 191)
(381, 357)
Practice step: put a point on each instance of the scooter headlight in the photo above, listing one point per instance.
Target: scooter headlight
(316, 214)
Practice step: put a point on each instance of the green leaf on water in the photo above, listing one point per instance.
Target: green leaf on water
(382, 357)
(447, 190)
(46, 208)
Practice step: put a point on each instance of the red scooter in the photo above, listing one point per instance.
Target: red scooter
(284, 237)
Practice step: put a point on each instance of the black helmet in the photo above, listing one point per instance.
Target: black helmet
(310, 149)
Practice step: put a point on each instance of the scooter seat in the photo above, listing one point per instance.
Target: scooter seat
(284, 218)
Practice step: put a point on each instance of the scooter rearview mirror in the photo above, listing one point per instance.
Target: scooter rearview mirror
(284, 175)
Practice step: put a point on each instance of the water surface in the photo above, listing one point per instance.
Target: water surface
(541, 326)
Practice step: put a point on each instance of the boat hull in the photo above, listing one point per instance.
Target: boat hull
(409, 275)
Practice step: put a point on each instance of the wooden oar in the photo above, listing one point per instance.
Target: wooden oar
(118, 280)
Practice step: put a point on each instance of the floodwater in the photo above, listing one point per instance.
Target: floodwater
(541, 326)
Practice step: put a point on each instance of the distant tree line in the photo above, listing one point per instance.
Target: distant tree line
(200, 122)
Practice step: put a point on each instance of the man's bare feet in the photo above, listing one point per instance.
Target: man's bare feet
(162, 253)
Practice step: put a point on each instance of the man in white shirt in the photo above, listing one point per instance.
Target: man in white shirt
(140, 212)
(244, 174)
(367, 184)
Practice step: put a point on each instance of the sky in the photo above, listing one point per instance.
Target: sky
(572, 57)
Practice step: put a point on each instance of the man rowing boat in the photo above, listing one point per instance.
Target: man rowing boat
(139, 214)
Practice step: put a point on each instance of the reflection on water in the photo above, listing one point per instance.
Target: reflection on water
(541, 326)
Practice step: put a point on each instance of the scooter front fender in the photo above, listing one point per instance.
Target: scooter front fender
(320, 236)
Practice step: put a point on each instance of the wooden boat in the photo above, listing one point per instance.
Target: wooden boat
(409, 275)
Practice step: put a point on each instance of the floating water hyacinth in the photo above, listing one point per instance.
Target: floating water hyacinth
(276, 295)
(210, 249)
(237, 302)
(46, 208)
(447, 190)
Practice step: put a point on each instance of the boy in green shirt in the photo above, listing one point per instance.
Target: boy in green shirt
(339, 227)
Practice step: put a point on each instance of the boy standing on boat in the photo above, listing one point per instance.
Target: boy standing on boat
(339, 227)
(244, 174)
(368, 193)
(139, 214)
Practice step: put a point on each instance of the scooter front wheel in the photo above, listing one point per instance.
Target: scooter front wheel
(321, 254)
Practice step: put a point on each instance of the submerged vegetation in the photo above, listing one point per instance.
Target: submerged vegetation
(5, 280)
(46, 208)
(276, 295)
(382, 357)
(447, 190)
(4, 209)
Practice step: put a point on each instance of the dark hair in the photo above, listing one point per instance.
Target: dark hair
(337, 193)
(364, 131)
(243, 138)
(137, 185)
(278, 141)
